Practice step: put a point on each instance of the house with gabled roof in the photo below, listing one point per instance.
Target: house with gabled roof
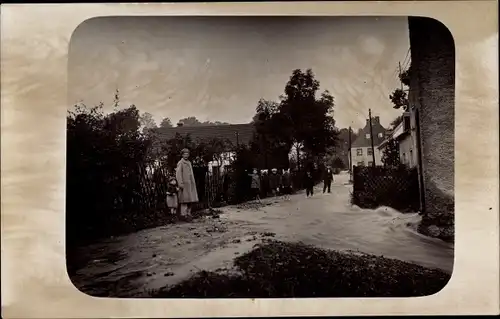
(361, 149)
(235, 134)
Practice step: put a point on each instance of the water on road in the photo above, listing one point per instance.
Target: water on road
(153, 258)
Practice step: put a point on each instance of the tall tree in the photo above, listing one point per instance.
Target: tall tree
(309, 120)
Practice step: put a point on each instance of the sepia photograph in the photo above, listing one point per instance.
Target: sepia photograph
(260, 157)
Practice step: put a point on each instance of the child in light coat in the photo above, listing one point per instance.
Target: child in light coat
(172, 198)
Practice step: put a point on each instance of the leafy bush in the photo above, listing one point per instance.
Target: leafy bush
(106, 165)
(117, 175)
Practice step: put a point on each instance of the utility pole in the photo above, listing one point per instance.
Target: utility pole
(350, 155)
(237, 139)
(371, 137)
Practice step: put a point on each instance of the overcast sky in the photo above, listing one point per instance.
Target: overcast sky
(217, 68)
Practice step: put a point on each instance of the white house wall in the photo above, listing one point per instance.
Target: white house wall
(365, 158)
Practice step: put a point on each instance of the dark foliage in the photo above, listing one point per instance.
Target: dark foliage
(301, 120)
(109, 190)
(404, 77)
(400, 99)
(390, 158)
(239, 189)
(281, 270)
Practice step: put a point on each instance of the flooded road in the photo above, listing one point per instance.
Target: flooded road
(150, 259)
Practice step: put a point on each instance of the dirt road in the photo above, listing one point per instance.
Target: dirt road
(153, 258)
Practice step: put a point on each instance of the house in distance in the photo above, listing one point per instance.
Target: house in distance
(361, 148)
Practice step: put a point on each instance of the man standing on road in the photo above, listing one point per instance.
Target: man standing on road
(309, 184)
(327, 179)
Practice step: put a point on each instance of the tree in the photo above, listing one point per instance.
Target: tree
(190, 121)
(400, 99)
(308, 120)
(270, 144)
(105, 153)
(147, 121)
(390, 157)
(404, 77)
(165, 123)
(339, 163)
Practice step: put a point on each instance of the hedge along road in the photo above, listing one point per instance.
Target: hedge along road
(129, 266)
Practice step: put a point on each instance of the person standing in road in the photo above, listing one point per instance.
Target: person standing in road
(327, 180)
(309, 184)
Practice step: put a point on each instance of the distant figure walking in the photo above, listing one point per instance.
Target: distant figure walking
(188, 194)
(309, 184)
(327, 180)
(255, 184)
(172, 199)
(286, 184)
(274, 182)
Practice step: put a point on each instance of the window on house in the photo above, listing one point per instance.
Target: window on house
(370, 151)
(368, 136)
(359, 152)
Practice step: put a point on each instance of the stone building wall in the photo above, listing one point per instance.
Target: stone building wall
(432, 86)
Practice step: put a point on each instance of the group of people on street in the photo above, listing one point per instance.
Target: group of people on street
(182, 192)
(327, 182)
(274, 184)
(281, 184)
